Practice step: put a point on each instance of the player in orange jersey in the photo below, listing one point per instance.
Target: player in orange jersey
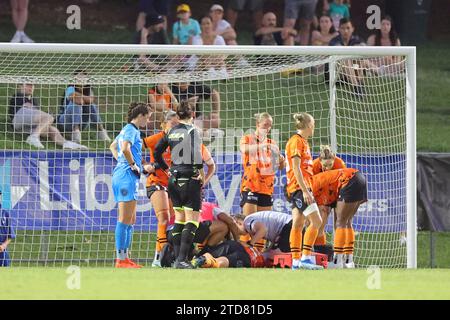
(349, 188)
(327, 160)
(261, 158)
(300, 194)
(157, 183)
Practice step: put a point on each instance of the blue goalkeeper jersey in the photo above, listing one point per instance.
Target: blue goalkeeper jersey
(131, 134)
(6, 232)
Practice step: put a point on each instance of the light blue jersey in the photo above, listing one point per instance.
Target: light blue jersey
(125, 182)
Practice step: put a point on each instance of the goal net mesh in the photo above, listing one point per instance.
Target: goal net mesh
(60, 199)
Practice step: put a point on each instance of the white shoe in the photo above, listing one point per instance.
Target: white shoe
(76, 136)
(333, 265)
(17, 37)
(26, 39)
(309, 265)
(103, 136)
(34, 141)
(74, 146)
(156, 264)
(350, 265)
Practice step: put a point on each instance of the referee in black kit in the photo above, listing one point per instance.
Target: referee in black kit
(185, 182)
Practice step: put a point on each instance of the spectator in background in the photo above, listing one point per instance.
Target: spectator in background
(79, 110)
(215, 64)
(26, 116)
(337, 10)
(351, 69)
(185, 27)
(152, 33)
(221, 26)
(6, 235)
(195, 93)
(19, 10)
(152, 7)
(324, 33)
(303, 9)
(386, 36)
(254, 6)
(271, 35)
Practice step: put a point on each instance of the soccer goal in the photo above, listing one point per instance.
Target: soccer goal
(59, 196)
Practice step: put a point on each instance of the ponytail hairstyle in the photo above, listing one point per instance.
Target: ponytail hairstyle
(136, 109)
(184, 110)
(326, 153)
(302, 120)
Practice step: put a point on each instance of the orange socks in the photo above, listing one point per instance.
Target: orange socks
(260, 245)
(310, 239)
(339, 240)
(245, 238)
(321, 240)
(295, 241)
(161, 238)
(349, 243)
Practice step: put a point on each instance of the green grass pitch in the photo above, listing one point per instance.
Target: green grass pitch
(213, 284)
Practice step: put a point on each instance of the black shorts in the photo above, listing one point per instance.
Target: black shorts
(355, 190)
(283, 240)
(202, 232)
(155, 7)
(234, 252)
(185, 193)
(262, 200)
(151, 190)
(297, 201)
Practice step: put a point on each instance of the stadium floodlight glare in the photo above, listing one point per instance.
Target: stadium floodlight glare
(363, 100)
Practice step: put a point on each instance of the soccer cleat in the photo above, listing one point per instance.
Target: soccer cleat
(309, 265)
(131, 262)
(295, 264)
(335, 265)
(34, 141)
(156, 264)
(183, 265)
(198, 262)
(123, 264)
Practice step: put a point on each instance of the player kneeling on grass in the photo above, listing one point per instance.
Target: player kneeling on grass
(127, 150)
(229, 254)
(349, 187)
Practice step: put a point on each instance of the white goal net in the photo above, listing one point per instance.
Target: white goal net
(58, 194)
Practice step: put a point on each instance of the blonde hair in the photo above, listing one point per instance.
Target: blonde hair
(302, 119)
(260, 116)
(326, 153)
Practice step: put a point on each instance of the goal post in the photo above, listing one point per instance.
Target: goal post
(60, 200)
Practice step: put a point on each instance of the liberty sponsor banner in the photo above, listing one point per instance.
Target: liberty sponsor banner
(56, 190)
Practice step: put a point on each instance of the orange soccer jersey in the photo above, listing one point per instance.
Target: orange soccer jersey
(328, 184)
(338, 164)
(159, 177)
(297, 146)
(259, 173)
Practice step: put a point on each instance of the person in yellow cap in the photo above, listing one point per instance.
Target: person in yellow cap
(185, 27)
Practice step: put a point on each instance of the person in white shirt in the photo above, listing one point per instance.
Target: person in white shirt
(222, 27)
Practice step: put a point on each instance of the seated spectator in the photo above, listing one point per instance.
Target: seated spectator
(338, 10)
(152, 7)
(215, 64)
(221, 26)
(306, 10)
(152, 33)
(79, 111)
(352, 69)
(6, 235)
(196, 93)
(324, 33)
(160, 99)
(254, 6)
(26, 116)
(185, 27)
(19, 12)
(271, 35)
(386, 36)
